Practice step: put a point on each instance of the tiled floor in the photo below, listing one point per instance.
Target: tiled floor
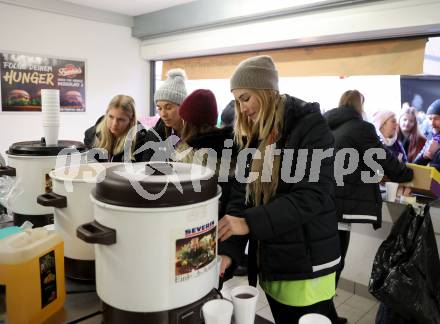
(355, 308)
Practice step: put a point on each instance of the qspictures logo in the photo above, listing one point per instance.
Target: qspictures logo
(297, 165)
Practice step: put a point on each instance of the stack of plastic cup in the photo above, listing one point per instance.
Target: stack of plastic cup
(50, 106)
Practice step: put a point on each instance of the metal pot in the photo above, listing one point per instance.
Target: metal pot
(154, 253)
(31, 162)
(70, 198)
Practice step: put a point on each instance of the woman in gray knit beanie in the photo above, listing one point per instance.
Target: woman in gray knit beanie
(168, 98)
(290, 223)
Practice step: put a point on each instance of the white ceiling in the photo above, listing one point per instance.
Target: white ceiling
(129, 7)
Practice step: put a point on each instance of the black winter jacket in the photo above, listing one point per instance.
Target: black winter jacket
(159, 147)
(295, 234)
(215, 140)
(356, 201)
(90, 137)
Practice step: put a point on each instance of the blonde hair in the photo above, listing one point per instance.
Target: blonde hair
(353, 99)
(106, 139)
(268, 128)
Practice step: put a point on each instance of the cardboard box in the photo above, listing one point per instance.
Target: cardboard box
(426, 180)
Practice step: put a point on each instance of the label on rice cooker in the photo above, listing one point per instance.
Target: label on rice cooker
(195, 251)
(3, 313)
(48, 279)
(47, 181)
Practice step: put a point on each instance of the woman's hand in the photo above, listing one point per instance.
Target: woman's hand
(407, 191)
(225, 263)
(231, 225)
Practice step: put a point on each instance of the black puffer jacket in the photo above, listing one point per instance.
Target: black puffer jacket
(90, 136)
(158, 148)
(295, 234)
(359, 202)
(215, 140)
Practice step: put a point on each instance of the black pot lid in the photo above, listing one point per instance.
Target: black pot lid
(39, 148)
(156, 184)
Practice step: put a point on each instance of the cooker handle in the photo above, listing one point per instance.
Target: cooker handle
(51, 199)
(94, 232)
(7, 171)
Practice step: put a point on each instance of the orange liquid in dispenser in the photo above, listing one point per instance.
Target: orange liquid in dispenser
(31, 276)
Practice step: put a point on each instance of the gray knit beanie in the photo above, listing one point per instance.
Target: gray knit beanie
(173, 89)
(258, 72)
(434, 108)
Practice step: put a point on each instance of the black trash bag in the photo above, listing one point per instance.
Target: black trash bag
(385, 315)
(406, 269)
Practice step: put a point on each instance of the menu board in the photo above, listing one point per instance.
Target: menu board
(23, 76)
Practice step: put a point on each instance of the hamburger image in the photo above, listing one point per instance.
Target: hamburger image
(72, 98)
(18, 97)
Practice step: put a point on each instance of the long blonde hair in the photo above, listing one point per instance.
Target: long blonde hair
(106, 139)
(268, 128)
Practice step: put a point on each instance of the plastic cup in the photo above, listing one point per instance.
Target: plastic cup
(50, 93)
(391, 190)
(50, 101)
(217, 311)
(314, 319)
(51, 134)
(50, 108)
(244, 299)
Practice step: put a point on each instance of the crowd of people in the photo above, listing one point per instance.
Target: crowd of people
(297, 232)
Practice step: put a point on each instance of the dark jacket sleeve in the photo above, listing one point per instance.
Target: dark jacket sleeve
(90, 133)
(420, 159)
(141, 139)
(394, 169)
(154, 135)
(235, 245)
(294, 208)
(89, 137)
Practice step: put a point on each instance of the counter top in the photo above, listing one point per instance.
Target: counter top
(83, 306)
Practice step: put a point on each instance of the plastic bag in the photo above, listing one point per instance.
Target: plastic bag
(406, 269)
(10, 190)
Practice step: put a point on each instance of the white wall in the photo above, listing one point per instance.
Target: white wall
(369, 20)
(113, 66)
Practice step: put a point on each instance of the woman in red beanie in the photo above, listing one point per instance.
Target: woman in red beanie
(199, 134)
(201, 141)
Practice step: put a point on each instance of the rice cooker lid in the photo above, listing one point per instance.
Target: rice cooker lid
(39, 148)
(156, 184)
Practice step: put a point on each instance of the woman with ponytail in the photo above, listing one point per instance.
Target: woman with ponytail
(290, 221)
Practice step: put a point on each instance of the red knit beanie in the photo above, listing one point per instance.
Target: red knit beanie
(199, 108)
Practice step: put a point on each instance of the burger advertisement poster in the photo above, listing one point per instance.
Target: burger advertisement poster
(23, 76)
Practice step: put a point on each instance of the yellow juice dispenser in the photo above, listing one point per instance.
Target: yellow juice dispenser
(31, 276)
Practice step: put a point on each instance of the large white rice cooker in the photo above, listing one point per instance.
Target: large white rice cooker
(31, 163)
(70, 198)
(155, 232)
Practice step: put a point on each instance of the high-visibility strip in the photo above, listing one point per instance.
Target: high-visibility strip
(363, 217)
(326, 265)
